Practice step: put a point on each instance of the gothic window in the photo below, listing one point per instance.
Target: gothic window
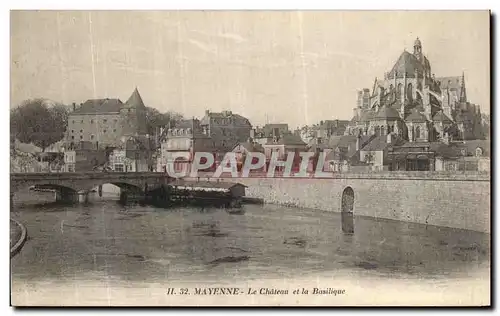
(409, 92)
(479, 152)
(382, 130)
(399, 91)
(417, 132)
(419, 88)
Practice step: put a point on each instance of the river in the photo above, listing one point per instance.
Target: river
(88, 254)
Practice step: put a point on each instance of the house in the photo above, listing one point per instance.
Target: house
(84, 156)
(344, 151)
(263, 135)
(186, 137)
(133, 154)
(375, 152)
(225, 129)
(242, 150)
(329, 128)
(287, 144)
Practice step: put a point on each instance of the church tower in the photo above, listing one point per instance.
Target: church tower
(417, 49)
(463, 93)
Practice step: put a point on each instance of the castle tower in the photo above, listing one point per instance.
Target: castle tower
(133, 115)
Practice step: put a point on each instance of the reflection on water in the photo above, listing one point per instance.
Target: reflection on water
(140, 243)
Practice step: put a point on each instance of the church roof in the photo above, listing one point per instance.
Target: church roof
(366, 115)
(416, 116)
(95, 106)
(135, 100)
(441, 117)
(407, 63)
(387, 113)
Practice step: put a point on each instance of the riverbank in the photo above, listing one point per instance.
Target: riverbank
(18, 236)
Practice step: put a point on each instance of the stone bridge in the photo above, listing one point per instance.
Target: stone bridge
(71, 184)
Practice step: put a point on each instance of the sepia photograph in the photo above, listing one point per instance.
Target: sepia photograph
(250, 158)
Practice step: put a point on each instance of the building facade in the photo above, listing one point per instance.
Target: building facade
(225, 129)
(415, 105)
(103, 122)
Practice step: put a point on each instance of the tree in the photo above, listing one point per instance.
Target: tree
(33, 121)
(155, 119)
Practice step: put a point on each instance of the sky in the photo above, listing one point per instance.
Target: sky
(270, 66)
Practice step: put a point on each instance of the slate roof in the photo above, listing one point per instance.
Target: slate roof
(441, 117)
(380, 143)
(241, 119)
(416, 116)
(408, 63)
(96, 106)
(450, 151)
(366, 115)
(472, 145)
(288, 139)
(135, 100)
(251, 147)
(386, 113)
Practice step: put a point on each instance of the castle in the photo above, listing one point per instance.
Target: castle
(415, 105)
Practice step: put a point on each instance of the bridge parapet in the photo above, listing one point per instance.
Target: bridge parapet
(78, 181)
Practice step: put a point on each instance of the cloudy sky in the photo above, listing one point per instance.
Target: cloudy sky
(294, 67)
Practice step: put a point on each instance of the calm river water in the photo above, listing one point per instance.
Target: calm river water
(137, 246)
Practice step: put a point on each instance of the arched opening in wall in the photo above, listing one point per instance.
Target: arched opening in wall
(417, 132)
(409, 92)
(399, 91)
(347, 211)
(419, 90)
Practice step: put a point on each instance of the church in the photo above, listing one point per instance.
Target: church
(412, 103)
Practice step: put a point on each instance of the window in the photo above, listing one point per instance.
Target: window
(81, 131)
(81, 137)
(92, 137)
(115, 120)
(72, 131)
(73, 121)
(105, 121)
(417, 132)
(81, 121)
(72, 137)
(104, 131)
(114, 130)
(119, 167)
(71, 168)
(409, 92)
(91, 121)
